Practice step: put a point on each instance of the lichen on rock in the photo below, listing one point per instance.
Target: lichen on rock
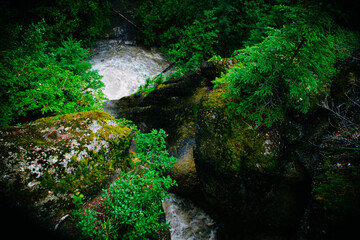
(45, 162)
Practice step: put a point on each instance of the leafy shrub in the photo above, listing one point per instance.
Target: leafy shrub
(151, 150)
(132, 204)
(38, 80)
(154, 17)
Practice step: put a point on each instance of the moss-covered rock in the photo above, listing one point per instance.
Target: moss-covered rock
(243, 174)
(45, 162)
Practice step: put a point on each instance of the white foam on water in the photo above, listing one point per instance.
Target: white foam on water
(188, 221)
(124, 68)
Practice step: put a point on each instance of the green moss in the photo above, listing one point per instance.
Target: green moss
(215, 100)
(165, 85)
(223, 64)
(240, 144)
(64, 154)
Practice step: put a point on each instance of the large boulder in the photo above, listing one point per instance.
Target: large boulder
(45, 162)
(252, 187)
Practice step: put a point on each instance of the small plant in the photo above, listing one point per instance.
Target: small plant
(132, 204)
(151, 83)
(128, 123)
(151, 150)
(77, 199)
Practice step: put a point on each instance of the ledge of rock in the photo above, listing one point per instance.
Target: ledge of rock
(45, 162)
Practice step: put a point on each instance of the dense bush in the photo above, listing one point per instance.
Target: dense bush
(37, 79)
(189, 31)
(193, 44)
(83, 19)
(288, 68)
(132, 204)
(287, 50)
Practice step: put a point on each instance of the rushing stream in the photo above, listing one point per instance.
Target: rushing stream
(187, 221)
(124, 68)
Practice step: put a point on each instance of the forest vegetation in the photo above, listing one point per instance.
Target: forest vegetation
(287, 50)
(287, 54)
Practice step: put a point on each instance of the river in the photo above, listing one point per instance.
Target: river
(188, 221)
(124, 68)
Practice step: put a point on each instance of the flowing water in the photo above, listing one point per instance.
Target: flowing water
(187, 221)
(124, 68)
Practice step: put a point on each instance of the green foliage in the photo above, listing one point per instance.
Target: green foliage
(189, 31)
(154, 17)
(152, 152)
(151, 84)
(291, 48)
(283, 72)
(38, 80)
(92, 227)
(42, 70)
(132, 204)
(195, 43)
(129, 124)
(83, 19)
(77, 199)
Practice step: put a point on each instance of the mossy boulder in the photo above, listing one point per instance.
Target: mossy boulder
(45, 162)
(244, 177)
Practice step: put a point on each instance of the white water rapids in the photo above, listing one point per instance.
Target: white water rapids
(188, 221)
(124, 68)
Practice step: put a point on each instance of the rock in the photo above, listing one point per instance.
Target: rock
(45, 162)
(184, 171)
(243, 175)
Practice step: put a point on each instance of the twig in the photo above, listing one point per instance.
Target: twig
(60, 221)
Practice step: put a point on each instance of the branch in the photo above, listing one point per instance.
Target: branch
(298, 49)
(336, 113)
(125, 18)
(166, 69)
